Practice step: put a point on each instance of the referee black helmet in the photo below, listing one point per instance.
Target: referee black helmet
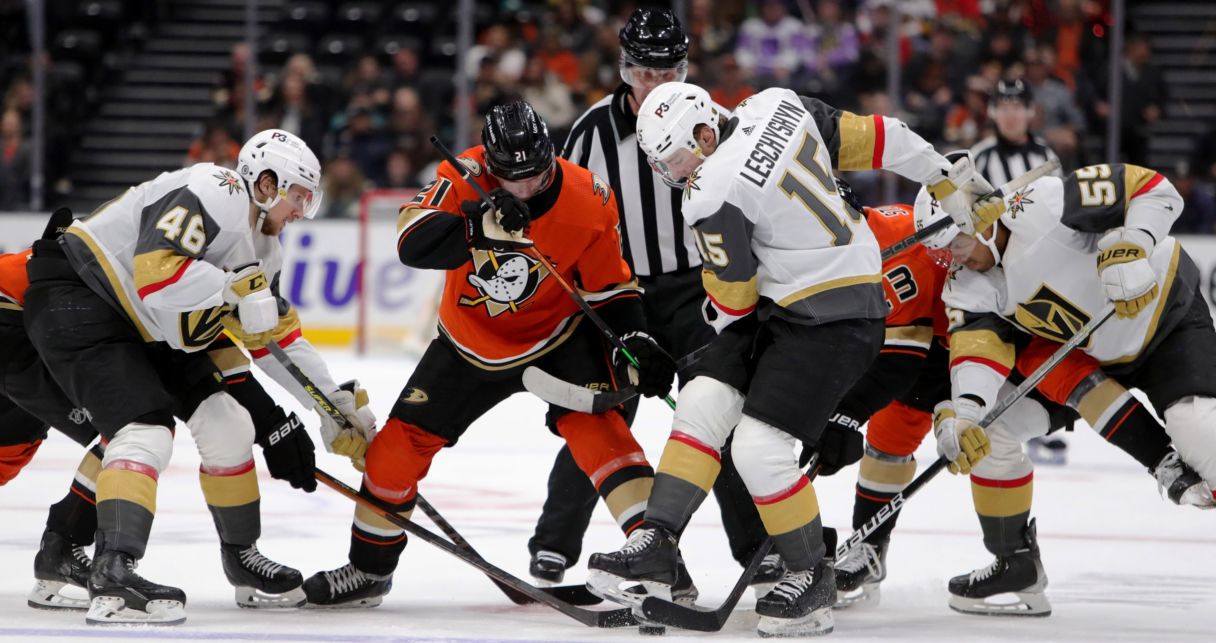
(653, 38)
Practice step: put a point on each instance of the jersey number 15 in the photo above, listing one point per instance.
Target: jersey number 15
(836, 225)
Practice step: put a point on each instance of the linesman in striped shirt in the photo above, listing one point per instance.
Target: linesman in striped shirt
(660, 249)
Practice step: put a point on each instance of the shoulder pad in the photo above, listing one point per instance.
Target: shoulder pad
(222, 194)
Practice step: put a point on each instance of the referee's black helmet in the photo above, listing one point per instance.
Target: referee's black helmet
(653, 38)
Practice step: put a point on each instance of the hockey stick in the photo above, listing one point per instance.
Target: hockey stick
(561, 393)
(588, 311)
(593, 618)
(858, 536)
(704, 619)
(571, 593)
(1035, 173)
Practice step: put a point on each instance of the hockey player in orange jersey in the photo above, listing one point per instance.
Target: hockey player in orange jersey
(501, 311)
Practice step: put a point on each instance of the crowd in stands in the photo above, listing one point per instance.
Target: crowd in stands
(371, 118)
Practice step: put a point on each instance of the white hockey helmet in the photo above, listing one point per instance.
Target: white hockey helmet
(667, 120)
(292, 162)
(925, 212)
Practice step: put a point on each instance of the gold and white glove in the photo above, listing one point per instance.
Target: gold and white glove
(959, 192)
(249, 292)
(1125, 272)
(350, 441)
(960, 439)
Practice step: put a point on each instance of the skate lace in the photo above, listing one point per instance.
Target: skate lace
(638, 541)
(344, 579)
(770, 561)
(81, 556)
(865, 555)
(254, 561)
(983, 573)
(793, 584)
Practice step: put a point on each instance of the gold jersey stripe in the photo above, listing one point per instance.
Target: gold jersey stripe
(124, 484)
(1095, 403)
(115, 284)
(887, 473)
(155, 266)
(790, 513)
(857, 139)
(918, 334)
(1162, 298)
(1002, 502)
(377, 521)
(228, 358)
(522, 359)
(689, 464)
(825, 286)
(1134, 178)
(230, 491)
(628, 494)
(90, 467)
(984, 344)
(736, 295)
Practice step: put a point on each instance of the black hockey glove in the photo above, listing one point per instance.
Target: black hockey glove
(500, 229)
(655, 369)
(840, 445)
(289, 454)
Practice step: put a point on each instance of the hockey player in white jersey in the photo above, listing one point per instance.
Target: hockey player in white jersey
(1031, 270)
(793, 282)
(119, 309)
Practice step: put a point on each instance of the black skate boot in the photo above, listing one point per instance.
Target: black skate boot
(800, 604)
(1181, 484)
(858, 576)
(58, 564)
(770, 572)
(683, 591)
(120, 596)
(1019, 575)
(649, 557)
(547, 567)
(259, 581)
(346, 587)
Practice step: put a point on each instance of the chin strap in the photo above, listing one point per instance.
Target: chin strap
(990, 242)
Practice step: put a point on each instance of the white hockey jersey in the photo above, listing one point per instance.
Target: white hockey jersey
(768, 219)
(1047, 283)
(159, 253)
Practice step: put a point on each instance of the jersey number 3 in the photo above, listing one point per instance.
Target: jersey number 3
(836, 226)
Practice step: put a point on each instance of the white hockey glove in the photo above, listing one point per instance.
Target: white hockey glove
(960, 193)
(248, 291)
(1125, 272)
(959, 438)
(350, 441)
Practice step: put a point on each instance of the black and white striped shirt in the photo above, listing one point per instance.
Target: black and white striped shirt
(604, 140)
(1000, 161)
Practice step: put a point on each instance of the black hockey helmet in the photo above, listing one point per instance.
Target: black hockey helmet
(1012, 90)
(653, 38)
(517, 141)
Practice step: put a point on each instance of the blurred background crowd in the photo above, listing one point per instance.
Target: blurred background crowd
(366, 83)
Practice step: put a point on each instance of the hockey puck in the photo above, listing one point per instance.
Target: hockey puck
(652, 630)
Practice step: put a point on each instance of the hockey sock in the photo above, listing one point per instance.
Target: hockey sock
(126, 504)
(1120, 419)
(687, 471)
(605, 450)
(75, 516)
(882, 476)
(234, 500)
(375, 543)
(1003, 507)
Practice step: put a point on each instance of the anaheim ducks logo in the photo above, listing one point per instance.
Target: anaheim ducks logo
(599, 188)
(1048, 314)
(471, 165)
(504, 280)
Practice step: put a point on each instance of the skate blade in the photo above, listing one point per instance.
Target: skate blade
(817, 623)
(48, 595)
(866, 596)
(254, 598)
(544, 582)
(1007, 604)
(112, 610)
(359, 603)
(608, 586)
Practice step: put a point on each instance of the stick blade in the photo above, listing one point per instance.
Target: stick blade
(561, 393)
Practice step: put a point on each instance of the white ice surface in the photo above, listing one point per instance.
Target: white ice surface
(1123, 563)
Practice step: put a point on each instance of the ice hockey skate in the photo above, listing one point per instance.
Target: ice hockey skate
(800, 604)
(547, 568)
(58, 565)
(649, 557)
(770, 572)
(859, 575)
(259, 581)
(346, 587)
(120, 596)
(1010, 586)
(1181, 484)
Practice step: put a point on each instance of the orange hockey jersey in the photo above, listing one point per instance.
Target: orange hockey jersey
(502, 309)
(13, 281)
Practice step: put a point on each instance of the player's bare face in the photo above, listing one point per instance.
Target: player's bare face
(525, 189)
(290, 208)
